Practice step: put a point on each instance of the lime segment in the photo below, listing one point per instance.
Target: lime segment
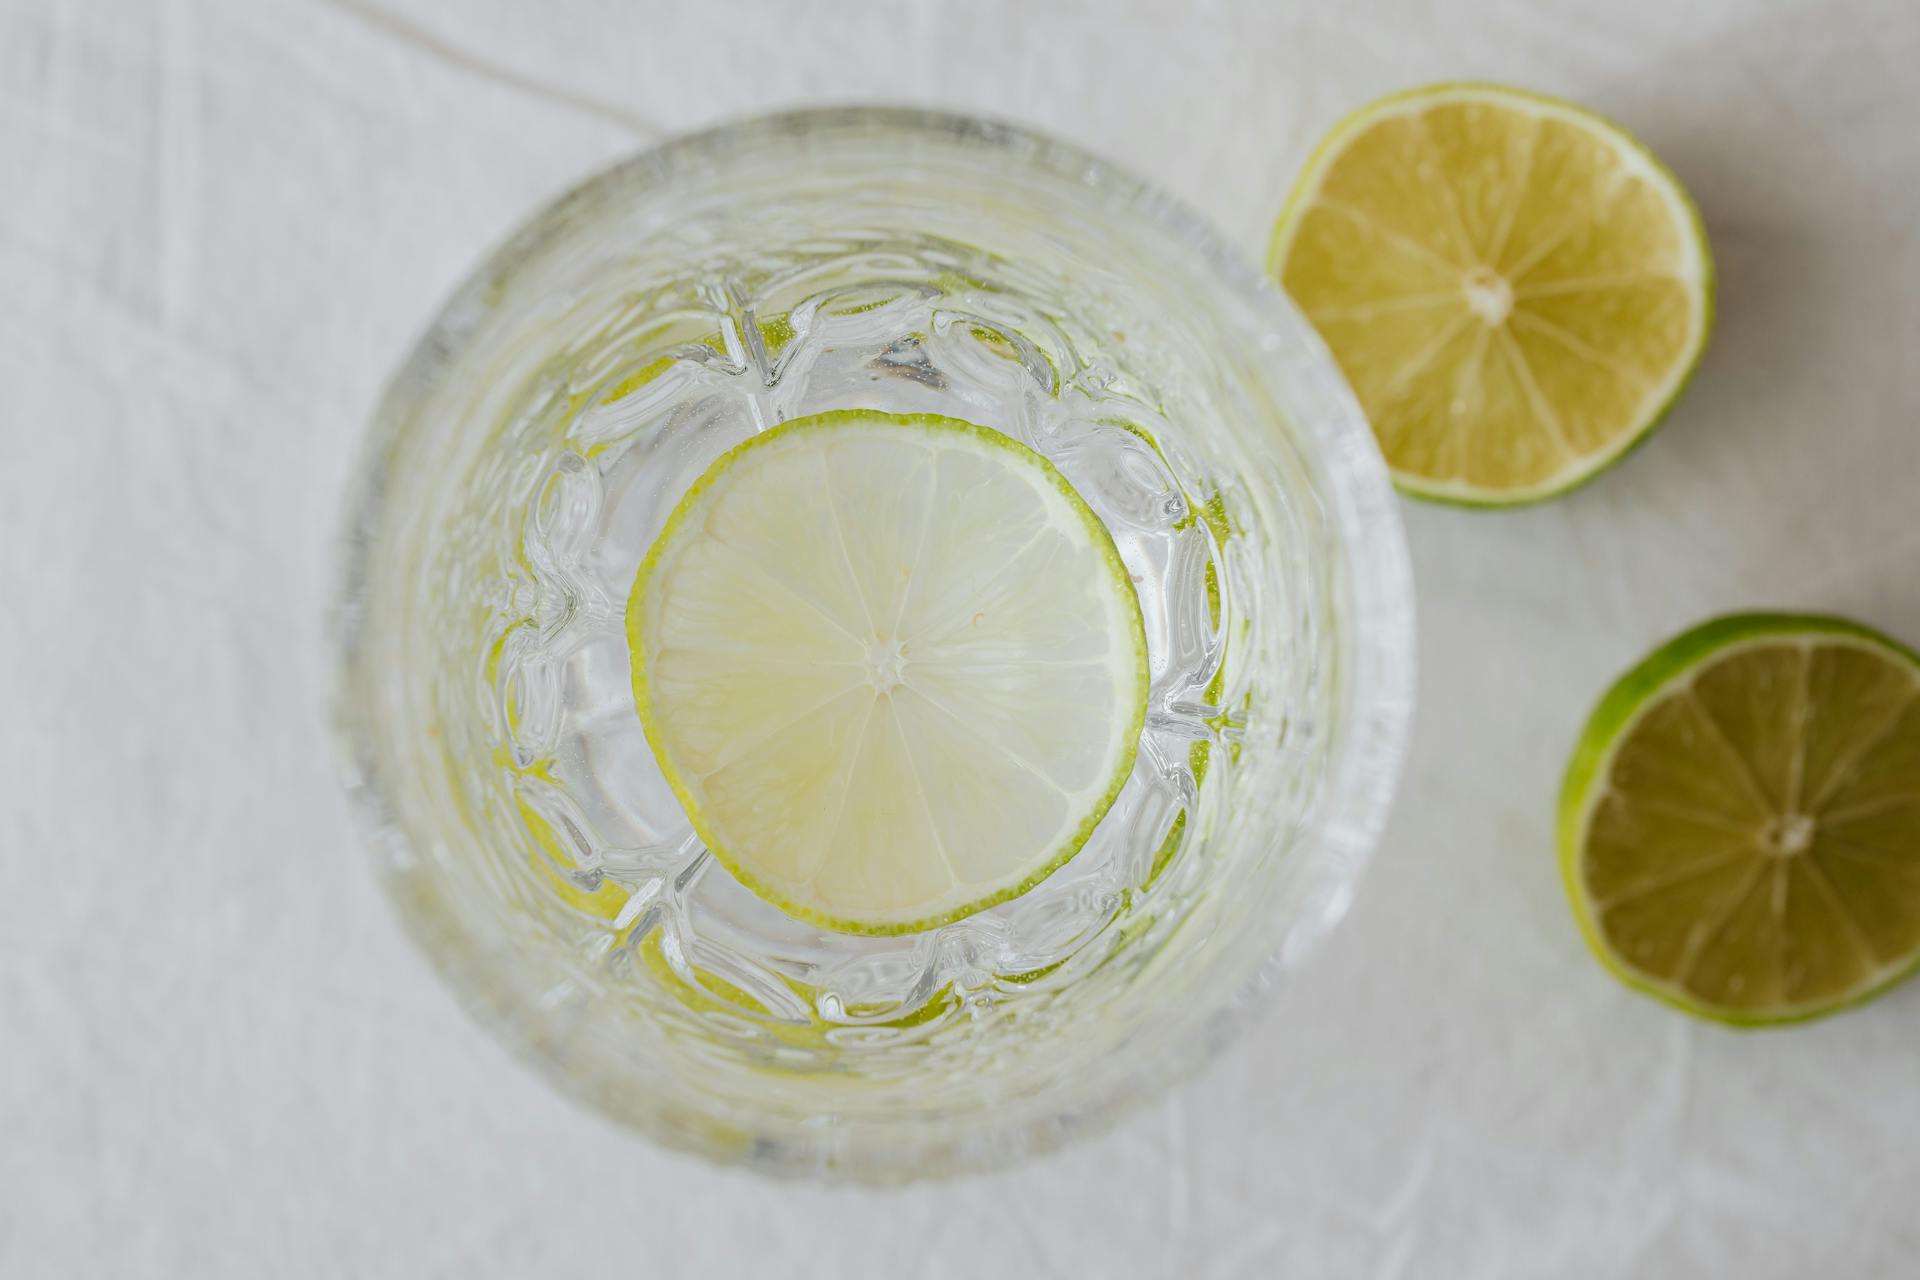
(893, 667)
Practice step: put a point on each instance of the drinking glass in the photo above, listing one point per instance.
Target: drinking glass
(532, 444)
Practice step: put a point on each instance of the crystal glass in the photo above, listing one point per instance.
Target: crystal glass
(531, 446)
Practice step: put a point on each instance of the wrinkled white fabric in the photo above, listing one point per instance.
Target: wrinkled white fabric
(221, 223)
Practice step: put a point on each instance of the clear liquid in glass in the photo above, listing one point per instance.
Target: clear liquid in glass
(628, 409)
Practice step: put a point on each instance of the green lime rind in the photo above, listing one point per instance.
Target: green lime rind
(1630, 440)
(1101, 538)
(1609, 725)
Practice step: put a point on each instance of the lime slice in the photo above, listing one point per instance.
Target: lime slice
(892, 666)
(1516, 289)
(1740, 826)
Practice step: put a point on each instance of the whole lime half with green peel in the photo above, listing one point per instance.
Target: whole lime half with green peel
(1516, 289)
(1740, 825)
(893, 667)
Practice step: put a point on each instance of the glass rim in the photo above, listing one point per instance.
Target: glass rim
(1374, 636)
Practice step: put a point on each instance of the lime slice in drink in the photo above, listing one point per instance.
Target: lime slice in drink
(1516, 289)
(892, 666)
(1740, 826)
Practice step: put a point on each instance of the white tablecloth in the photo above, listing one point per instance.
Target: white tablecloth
(222, 221)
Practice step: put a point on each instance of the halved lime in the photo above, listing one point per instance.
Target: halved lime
(1516, 289)
(1740, 826)
(893, 667)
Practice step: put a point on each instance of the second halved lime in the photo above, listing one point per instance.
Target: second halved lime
(1740, 827)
